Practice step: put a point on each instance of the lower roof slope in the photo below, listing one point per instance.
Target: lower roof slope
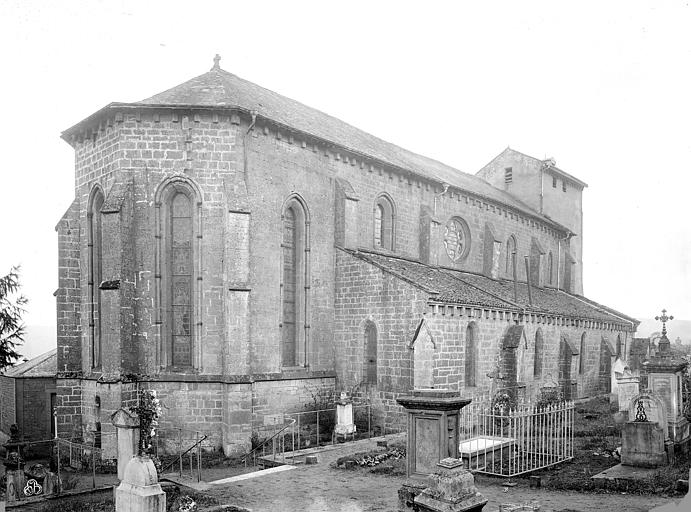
(45, 365)
(469, 289)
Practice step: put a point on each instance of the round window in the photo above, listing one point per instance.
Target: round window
(456, 239)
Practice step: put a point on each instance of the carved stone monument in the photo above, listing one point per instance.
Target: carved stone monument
(127, 431)
(344, 416)
(452, 489)
(665, 375)
(644, 439)
(139, 490)
(432, 428)
(628, 386)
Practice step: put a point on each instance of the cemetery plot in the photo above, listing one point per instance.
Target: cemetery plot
(511, 441)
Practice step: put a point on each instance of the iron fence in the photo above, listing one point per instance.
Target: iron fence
(284, 436)
(512, 440)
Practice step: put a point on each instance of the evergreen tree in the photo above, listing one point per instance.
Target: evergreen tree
(11, 326)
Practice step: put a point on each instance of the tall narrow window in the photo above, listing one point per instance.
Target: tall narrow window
(471, 355)
(294, 284)
(181, 269)
(178, 275)
(289, 289)
(582, 356)
(95, 274)
(510, 256)
(550, 268)
(371, 353)
(539, 348)
(378, 222)
(384, 223)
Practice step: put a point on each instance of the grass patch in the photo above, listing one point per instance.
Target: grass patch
(597, 434)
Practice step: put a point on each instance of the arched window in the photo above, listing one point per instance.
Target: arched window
(178, 273)
(539, 348)
(510, 251)
(95, 243)
(370, 353)
(384, 223)
(582, 356)
(471, 355)
(294, 284)
(550, 268)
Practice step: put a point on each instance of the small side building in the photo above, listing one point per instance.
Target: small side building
(27, 397)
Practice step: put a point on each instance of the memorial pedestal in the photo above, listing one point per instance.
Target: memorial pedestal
(140, 490)
(127, 432)
(432, 428)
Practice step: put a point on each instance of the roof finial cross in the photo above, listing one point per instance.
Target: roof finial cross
(664, 319)
(217, 62)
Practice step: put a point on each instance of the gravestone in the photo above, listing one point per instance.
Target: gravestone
(344, 416)
(627, 388)
(644, 439)
(139, 490)
(617, 371)
(432, 428)
(665, 375)
(127, 432)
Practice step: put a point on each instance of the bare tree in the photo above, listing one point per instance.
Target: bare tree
(11, 325)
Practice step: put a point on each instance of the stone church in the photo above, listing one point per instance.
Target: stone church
(242, 253)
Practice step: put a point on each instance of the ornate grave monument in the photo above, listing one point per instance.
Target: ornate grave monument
(644, 439)
(437, 480)
(665, 375)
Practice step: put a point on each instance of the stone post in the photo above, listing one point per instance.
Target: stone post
(139, 490)
(127, 433)
(432, 428)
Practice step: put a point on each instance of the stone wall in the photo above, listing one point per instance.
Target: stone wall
(7, 404)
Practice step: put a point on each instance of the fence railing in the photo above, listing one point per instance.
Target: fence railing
(510, 441)
(289, 433)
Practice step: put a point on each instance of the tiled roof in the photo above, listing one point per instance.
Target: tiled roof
(44, 365)
(466, 288)
(218, 88)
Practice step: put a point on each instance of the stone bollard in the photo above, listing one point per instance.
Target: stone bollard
(127, 431)
(139, 490)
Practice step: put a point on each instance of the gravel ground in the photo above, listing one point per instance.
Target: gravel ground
(322, 487)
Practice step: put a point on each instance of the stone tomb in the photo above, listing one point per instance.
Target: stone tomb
(645, 440)
(432, 428)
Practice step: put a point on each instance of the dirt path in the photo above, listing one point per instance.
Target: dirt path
(322, 488)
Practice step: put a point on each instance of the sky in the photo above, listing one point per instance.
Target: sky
(602, 87)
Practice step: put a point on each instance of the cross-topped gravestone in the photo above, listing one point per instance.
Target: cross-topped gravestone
(663, 344)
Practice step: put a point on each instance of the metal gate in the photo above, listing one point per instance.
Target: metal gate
(504, 441)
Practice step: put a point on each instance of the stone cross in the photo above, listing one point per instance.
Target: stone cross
(664, 319)
(217, 62)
